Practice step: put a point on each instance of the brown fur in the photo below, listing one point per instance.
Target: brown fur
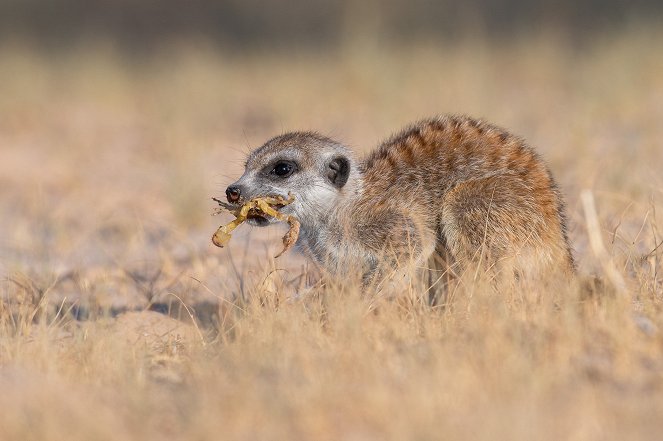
(467, 185)
(453, 189)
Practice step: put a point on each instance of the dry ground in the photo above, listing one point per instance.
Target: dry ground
(106, 168)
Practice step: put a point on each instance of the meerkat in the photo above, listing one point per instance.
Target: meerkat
(451, 189)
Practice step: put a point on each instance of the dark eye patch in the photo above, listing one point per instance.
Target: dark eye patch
(282, 169)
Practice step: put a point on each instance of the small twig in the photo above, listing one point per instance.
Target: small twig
(218, 296)
(596, 242)
(193, 318)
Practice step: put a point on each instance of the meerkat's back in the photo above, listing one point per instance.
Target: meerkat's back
(477, 187)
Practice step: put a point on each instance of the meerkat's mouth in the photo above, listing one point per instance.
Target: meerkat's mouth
(255, 215)
(256, 218)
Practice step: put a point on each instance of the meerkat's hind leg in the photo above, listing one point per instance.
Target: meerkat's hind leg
(494, 220)
(441, 271)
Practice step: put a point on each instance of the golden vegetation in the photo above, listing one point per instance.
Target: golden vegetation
(106, 169)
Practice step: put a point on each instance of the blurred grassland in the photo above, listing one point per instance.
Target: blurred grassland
(107, 163)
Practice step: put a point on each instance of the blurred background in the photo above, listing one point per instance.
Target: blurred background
(313, 25)
(120, 119)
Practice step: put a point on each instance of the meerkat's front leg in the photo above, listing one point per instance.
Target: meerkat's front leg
(392, 244)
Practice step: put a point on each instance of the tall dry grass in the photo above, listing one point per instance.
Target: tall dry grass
(106, 167)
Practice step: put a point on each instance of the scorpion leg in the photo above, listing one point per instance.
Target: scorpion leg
(234, 209)
(291, 236)
(222, 236)
(264, 206)
(293, 232)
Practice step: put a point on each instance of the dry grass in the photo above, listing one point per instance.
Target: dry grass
(106, 168)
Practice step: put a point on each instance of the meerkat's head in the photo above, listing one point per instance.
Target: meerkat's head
(316, 170)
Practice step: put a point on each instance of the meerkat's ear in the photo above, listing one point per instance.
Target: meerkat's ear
(338, 171)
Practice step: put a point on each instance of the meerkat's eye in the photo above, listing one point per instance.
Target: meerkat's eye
(283, 169)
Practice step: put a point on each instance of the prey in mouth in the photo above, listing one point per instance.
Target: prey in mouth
(257, 210)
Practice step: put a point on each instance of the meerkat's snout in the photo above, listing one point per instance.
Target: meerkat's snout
(233, 193)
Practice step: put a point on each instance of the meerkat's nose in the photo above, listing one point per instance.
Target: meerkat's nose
(233, 193)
